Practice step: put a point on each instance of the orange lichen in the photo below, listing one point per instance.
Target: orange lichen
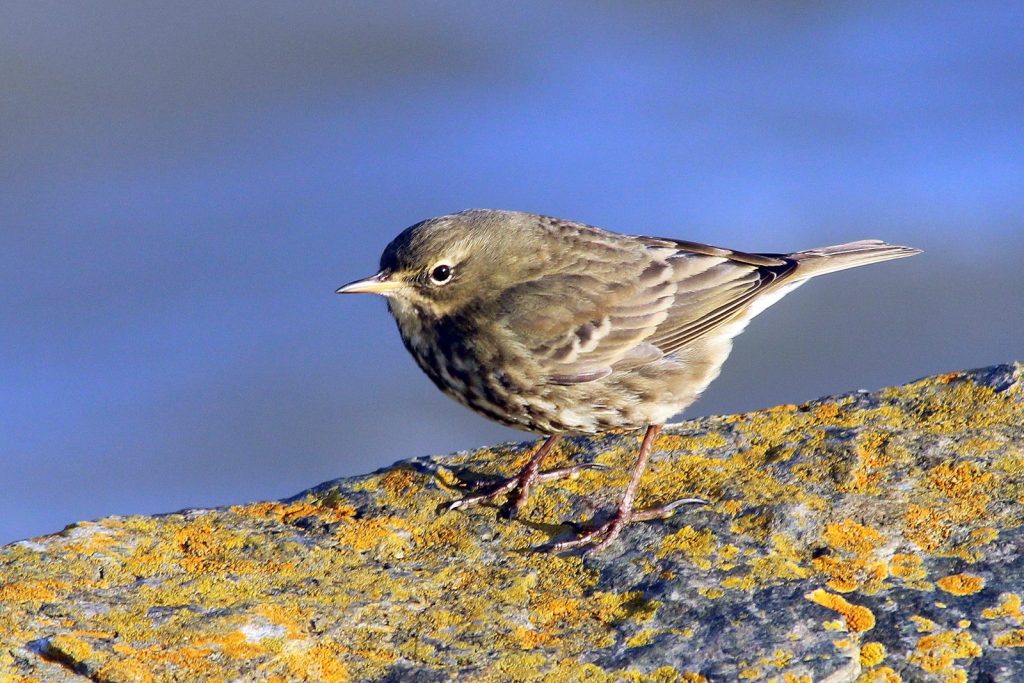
(696, 545)
(872, 654)
(852, 536)
(882, 674)
(872, 464)
(937, 653)
(961, 584)
(1014, 638)
(857, 617)
(925, 527)
(924, 624)
(1009, 607)
(826, 412)
(334, 511)
(796, 678)
(907, 566)
(846, 576)
(31, 590)
(961, 480)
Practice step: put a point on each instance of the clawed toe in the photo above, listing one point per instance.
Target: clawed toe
(517, 489)
(490, 494)
(601, 537)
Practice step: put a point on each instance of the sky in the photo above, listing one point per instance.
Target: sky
(183, 186)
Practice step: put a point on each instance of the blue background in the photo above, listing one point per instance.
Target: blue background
(183, 185)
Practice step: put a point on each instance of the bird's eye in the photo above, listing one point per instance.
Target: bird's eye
(441, 274)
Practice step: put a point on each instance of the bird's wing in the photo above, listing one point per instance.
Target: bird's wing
(627, 309)
(580, 323)
(713, 287)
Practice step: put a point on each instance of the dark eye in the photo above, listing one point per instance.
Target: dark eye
(441, 274)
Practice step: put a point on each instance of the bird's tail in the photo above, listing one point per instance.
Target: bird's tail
(814, 262)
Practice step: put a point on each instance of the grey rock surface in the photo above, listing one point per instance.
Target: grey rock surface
(864, 537)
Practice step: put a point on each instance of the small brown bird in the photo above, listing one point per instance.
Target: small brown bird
(557, 327)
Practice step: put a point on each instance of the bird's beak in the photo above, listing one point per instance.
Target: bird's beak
(375, 284)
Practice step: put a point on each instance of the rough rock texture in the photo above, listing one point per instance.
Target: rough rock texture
(864, 537)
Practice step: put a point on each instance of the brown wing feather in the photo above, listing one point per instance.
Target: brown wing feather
(634, 300)
(703, 304)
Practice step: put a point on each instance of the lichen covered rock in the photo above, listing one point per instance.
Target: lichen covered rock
(864, 537)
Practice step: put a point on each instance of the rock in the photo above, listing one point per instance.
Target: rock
(862, 537)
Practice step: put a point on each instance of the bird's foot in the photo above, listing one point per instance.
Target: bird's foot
(602, 536)
(520, 486)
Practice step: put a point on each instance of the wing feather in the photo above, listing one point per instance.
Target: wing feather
(630, 306)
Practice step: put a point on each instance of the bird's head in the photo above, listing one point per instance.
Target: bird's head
(442, 264)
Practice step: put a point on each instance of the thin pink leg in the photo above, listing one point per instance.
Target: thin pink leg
(624, 513)
(522, 482)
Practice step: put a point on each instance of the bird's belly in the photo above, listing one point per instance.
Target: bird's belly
(512, 390)
(623, 400)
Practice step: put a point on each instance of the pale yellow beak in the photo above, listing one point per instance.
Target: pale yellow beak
(375, 284)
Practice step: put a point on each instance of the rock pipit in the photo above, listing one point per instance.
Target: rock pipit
(560, 328)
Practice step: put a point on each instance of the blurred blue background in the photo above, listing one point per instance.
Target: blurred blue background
(183, 185)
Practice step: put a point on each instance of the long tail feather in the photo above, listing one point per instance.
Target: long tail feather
(814, 262)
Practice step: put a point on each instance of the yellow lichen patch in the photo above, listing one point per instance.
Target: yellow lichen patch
(872, 654)
(926, 527)
(852, 536)
(31, 590)
(559, 616)
(317, 662)
(882, 674)
(846, 576)
(693, 544)
(387, 534)
(1014, 638)
(961, 584)
(907, 566)
(72, 649)
(292, 618)
(125, 671)
(641, 638)
(739, 583)
(783, 562)
(872, 466)
(333, 511)
(755, 526)
(924, 624)
(401, 482)
(710, 593)
(857, 617)
(1009, 607)
(691, 444)
(90, 543)
(796, 678)
(731, 507)
(938, 652)
(826, 412)
(983, 536)
(960, 480)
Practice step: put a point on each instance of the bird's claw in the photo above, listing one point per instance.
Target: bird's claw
(602, 536)
(511, 509)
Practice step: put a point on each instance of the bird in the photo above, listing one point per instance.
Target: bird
(561, 328)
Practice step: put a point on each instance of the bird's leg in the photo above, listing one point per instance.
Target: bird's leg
(522, 482)
(603, 535)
